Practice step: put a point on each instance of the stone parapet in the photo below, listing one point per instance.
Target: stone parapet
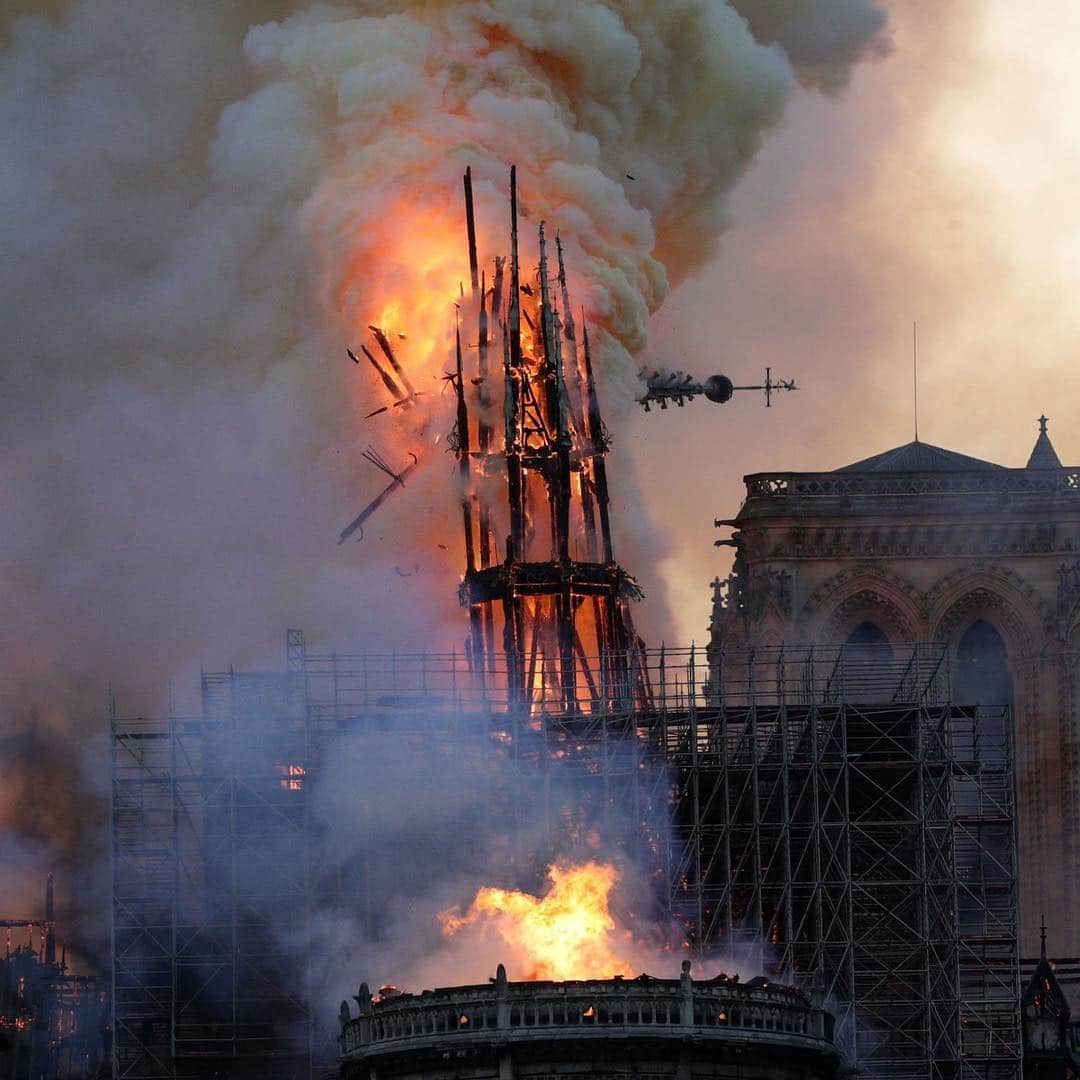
(501, 1014)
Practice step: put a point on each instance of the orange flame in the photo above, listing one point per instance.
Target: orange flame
(292, 777)
(568, 933)
(410, 292)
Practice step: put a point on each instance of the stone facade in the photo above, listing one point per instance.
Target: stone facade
(640, 1029)
(923, 544)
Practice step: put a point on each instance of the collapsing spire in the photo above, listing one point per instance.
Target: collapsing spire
(564, 602)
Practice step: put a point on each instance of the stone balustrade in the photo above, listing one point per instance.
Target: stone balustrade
(844, 484)
(719, 1009)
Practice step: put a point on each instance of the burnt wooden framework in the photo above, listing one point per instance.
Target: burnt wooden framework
(541, 564)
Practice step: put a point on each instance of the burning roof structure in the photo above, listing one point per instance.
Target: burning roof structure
(559, 593)
(53, 1023)
(541, 581)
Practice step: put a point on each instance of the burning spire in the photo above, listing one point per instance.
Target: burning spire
(563, 601)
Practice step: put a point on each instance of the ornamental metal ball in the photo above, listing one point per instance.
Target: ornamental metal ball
(719, 388)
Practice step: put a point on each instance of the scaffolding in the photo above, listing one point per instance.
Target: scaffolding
(210, 866)
(828, 810)
(837, 814)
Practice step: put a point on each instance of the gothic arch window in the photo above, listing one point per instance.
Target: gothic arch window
(981, 674)
(870, 636)
(867, 663)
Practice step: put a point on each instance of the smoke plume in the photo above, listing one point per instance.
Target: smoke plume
(208, 202)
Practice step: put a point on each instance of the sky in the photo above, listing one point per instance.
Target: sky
(175, 471)
(939, 188)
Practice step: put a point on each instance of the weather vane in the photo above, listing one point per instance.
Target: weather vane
(680, 388)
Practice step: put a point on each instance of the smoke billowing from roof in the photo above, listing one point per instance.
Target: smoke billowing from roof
(198, 188)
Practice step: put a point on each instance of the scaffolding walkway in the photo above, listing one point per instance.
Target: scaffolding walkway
(826, 809)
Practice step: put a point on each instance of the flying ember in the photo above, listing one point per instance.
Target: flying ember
(568, 933)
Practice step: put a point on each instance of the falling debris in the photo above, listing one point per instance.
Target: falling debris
(400, 388)
(397, 481)
(384, 344)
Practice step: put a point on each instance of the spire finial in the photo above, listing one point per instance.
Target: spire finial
(915, 373)
(1042, 934)
(1043, 454)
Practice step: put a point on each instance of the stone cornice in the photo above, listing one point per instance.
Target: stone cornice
(903, 540)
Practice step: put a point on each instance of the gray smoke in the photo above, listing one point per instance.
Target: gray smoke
(192, 193)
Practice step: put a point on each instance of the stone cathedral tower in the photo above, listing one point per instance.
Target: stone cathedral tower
(924, 544)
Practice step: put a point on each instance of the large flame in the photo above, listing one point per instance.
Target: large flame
(411, 292)
(568, 933)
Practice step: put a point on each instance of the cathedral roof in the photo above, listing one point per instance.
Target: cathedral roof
(1043, 454)
(918, 457)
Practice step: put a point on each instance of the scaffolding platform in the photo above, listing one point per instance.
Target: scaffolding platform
(827, 810)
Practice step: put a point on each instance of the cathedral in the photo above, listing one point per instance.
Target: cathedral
(924, 544)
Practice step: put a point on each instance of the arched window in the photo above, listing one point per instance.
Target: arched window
(868, 633)
(867, 643)
(868, 664)
(981, 675)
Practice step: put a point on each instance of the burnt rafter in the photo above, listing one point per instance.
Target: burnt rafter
(561, 599)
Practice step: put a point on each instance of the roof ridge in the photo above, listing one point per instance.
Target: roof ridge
(918, 456)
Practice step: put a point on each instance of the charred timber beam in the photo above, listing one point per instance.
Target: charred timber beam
(388, 382)
(538, 578)
(599, 444)
(463, 456)
(470, 226)
(475, 616)
(560, 482)
(388, 350)
(397, 482)
(512, 365)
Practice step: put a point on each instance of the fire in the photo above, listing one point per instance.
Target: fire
(292, 777)
(568, 933)
(410, 293)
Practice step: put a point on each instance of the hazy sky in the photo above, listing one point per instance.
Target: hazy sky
(940, 188)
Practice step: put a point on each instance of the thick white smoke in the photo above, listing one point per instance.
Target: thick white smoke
(629, 122)
(205, 201)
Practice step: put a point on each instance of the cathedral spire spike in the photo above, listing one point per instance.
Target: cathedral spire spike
(1043, 454)
(1042, 937)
